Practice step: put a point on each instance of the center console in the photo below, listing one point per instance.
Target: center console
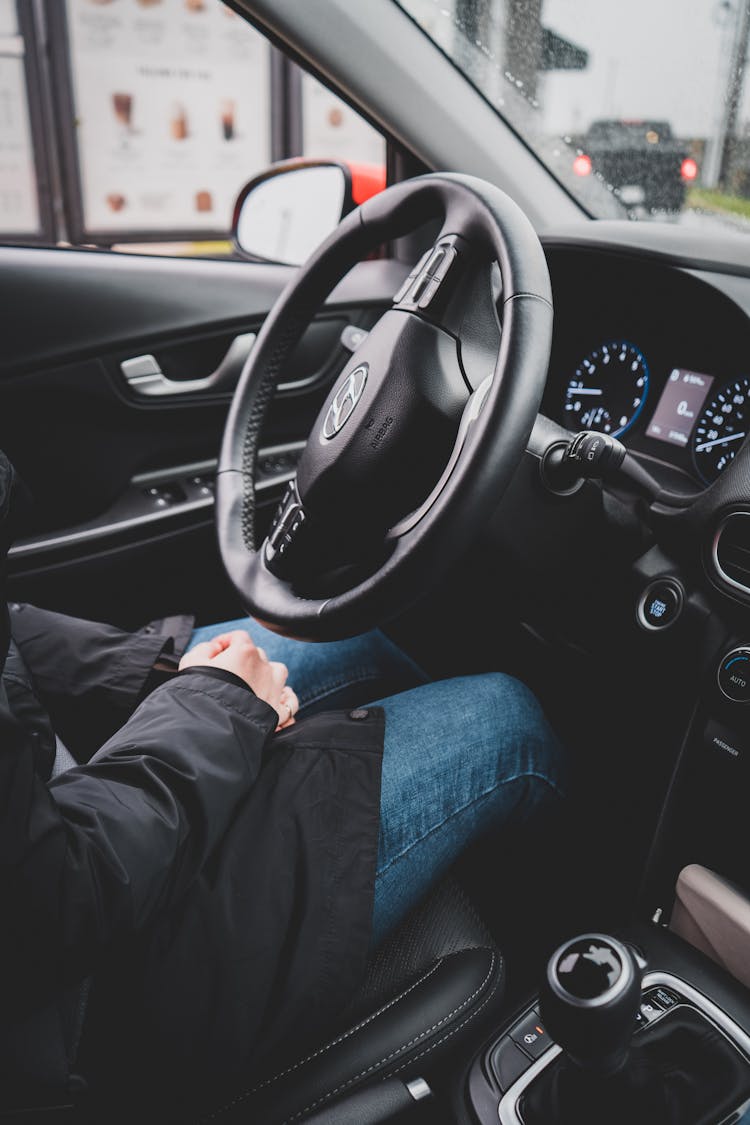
(651, 1026)
(638, 1029)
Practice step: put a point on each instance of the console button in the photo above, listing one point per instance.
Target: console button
(649, 1010)
(723, 741)
(663, 998)
(164, 495)
(734, 675)
(660, 604)
(508, 1063)
(531, 1035)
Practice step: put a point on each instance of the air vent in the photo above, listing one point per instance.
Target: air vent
(731, 551)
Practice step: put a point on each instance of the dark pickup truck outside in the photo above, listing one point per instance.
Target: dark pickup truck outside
(645, 164)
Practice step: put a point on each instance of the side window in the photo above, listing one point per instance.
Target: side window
(21, 213)
(154, 114)
(332, 129)
(171, 112)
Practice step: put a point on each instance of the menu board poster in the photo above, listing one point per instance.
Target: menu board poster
(19, 203)
(333, 131)
(171, 104)
(8, 18)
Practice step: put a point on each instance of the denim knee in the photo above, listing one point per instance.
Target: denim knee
(528, 737)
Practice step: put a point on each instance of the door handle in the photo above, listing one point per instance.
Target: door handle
(145, 377)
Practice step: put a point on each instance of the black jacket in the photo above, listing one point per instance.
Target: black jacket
(213, 880)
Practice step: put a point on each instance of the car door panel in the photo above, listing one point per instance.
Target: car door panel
(121, 479)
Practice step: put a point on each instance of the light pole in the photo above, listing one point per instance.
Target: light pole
(735, 88)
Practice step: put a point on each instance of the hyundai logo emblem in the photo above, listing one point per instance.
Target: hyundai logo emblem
(344, 401)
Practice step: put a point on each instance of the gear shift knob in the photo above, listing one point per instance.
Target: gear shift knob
(589, 1001)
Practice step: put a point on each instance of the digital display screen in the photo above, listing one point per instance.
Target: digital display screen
(679, 406)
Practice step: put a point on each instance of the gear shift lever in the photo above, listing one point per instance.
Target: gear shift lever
(590, 1000)
(681, 1070)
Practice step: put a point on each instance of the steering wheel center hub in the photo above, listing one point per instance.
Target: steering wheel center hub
(387, 429)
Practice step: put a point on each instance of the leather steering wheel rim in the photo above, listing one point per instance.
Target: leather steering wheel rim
(494, 427)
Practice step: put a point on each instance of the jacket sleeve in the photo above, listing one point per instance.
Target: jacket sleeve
(91, 858)
(90, 676)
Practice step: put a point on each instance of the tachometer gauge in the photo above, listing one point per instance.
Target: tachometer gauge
(721, 428)
(608, 389)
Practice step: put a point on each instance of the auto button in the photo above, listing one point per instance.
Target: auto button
(734, 675)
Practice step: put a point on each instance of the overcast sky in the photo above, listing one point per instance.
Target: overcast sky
(647, 58)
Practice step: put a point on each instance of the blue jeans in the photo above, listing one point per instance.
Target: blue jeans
(461, 756)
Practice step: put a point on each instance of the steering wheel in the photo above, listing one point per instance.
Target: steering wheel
(423, 429)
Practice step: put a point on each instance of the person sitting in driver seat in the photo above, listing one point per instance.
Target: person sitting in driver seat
(225, 848)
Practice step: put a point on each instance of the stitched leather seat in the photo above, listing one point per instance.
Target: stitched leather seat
(437, 979)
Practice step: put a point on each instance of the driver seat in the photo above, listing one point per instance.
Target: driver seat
(438, 979)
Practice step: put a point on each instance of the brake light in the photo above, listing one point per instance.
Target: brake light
(688, 168)
(582, 165)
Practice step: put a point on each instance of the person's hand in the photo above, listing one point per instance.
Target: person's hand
(289, 707)
(236, 652)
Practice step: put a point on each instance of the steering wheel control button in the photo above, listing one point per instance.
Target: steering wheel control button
(437, 256)
(352, 337)
(660, 604)
(734, 675)
(285, 529)
(508, 1062)
(424, 281)
(428, 293)
(531, 1036)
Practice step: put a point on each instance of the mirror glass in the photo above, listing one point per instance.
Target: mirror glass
(285, 217)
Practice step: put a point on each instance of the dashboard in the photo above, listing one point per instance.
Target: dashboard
(652, 354)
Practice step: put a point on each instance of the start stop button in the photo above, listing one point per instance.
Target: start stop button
(734, 675)
(660, 604)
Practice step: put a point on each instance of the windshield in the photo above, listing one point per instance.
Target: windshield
(641, 109)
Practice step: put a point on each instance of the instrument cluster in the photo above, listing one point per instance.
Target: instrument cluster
(612, 387)
(652, 356)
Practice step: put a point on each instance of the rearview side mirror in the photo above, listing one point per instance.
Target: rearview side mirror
(286, 212)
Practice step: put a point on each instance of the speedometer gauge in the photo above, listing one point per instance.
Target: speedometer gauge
(608, 389)
(721, 428)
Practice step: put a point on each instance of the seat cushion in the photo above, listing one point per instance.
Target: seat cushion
(436, 980)
(444, 922)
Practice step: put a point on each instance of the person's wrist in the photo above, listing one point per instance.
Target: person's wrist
(216, 672)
